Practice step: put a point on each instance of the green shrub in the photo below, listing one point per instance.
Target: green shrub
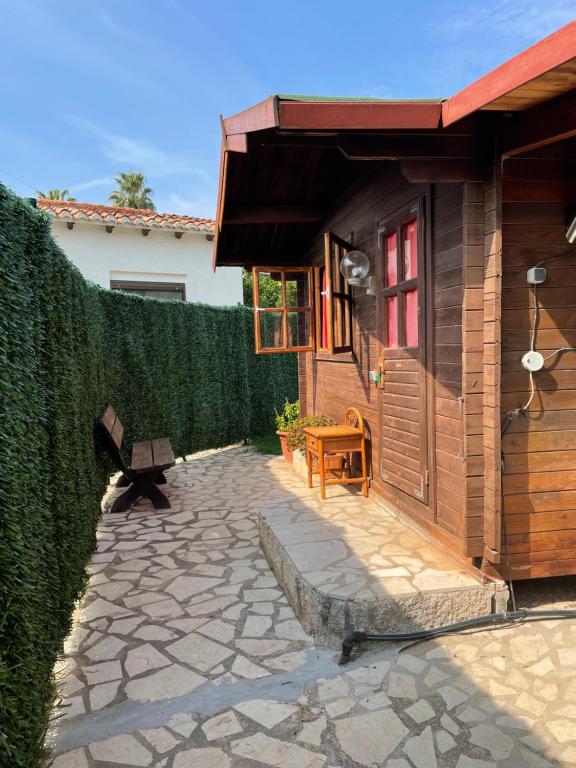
(290, 414)
(296, 439)
(67, 348)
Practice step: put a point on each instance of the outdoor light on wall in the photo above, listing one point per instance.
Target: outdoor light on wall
(355, 267)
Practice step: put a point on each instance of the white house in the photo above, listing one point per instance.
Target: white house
(146, 252)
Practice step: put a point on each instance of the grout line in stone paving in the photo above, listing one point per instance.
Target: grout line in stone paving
(203, 701)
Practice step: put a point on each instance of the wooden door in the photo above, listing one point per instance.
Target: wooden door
(403, 395)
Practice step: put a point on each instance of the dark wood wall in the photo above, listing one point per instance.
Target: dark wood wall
(538, 199)
(328, 385)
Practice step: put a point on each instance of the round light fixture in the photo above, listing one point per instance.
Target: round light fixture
(533, 361)
(355, 267)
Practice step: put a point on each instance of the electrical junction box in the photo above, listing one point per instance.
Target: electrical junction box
(536, 275)
(533, 361)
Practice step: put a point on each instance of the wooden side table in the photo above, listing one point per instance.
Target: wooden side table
(337, 439)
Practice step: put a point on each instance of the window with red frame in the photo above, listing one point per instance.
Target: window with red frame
(400, 295)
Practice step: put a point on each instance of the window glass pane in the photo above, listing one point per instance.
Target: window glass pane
(341, 320)
(411, 318)
(156, 290)
(410, 250)
(392, 320)
(163, 294)
(299, 329)
(337, 279)
(390, 260)
(271, 332)
(297, 289)
(324, 312)
(270, 287)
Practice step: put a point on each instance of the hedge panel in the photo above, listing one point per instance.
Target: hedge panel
(68, 347)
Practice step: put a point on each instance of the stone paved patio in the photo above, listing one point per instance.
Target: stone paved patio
(186, 654)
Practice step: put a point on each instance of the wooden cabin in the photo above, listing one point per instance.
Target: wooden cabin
(453, 201)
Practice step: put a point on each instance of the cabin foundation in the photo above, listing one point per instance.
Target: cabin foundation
(350, 563)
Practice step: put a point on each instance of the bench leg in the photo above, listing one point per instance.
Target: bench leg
(160, 479)
(126, 500)
(143, 485)
(156, 496)
(123, 482)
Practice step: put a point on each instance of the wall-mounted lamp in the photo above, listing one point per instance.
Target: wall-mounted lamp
(355, 267)
(571, 232)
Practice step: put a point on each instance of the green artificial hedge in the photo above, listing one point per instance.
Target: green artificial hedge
(67, 348)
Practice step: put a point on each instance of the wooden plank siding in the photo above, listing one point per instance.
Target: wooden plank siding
(491, 365)
(329, 385)
(539, 482)
(473, 215)
(448, 370)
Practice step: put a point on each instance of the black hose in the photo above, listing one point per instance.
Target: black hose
(420, 635)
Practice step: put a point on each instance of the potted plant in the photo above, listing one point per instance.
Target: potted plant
(296, 443)
(296, 440)
(290, 414)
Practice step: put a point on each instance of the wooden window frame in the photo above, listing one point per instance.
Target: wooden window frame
(320, 296)
(402, 287)
(150, 285)
(334, 284)
(284, 309)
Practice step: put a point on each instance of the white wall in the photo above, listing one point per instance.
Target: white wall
(125, 254)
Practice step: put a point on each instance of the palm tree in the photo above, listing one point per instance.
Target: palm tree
(56, 194)
(132, 192)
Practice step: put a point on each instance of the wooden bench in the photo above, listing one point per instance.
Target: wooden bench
(146, 471)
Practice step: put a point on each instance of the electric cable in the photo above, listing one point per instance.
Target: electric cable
(505, 551)
(535, 315)
(558, 351)
(563, 255)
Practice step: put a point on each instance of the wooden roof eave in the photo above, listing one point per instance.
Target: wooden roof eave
(297, 116)
(518, 75)
(337, 115)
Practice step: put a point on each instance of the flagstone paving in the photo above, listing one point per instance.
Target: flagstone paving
(186, 654)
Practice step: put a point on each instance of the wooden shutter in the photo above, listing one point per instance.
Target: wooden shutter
(283, 316)
(339, 295)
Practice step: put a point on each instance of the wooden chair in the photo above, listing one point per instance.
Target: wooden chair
(332, 446)
(148, 461)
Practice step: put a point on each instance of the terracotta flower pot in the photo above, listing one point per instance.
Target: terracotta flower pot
(285, 452)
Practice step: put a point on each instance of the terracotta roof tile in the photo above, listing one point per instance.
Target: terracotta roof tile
(112, 215)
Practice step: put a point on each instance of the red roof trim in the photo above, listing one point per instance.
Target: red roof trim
(546, 54)
(336, 115)
(256, 118)
(353, 115)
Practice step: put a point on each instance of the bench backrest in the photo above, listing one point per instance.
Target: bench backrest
(113, 432)
(113, 426)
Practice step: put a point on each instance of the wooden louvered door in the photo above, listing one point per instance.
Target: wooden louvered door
(403, 393)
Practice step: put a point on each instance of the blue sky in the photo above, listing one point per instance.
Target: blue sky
(90, 89)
